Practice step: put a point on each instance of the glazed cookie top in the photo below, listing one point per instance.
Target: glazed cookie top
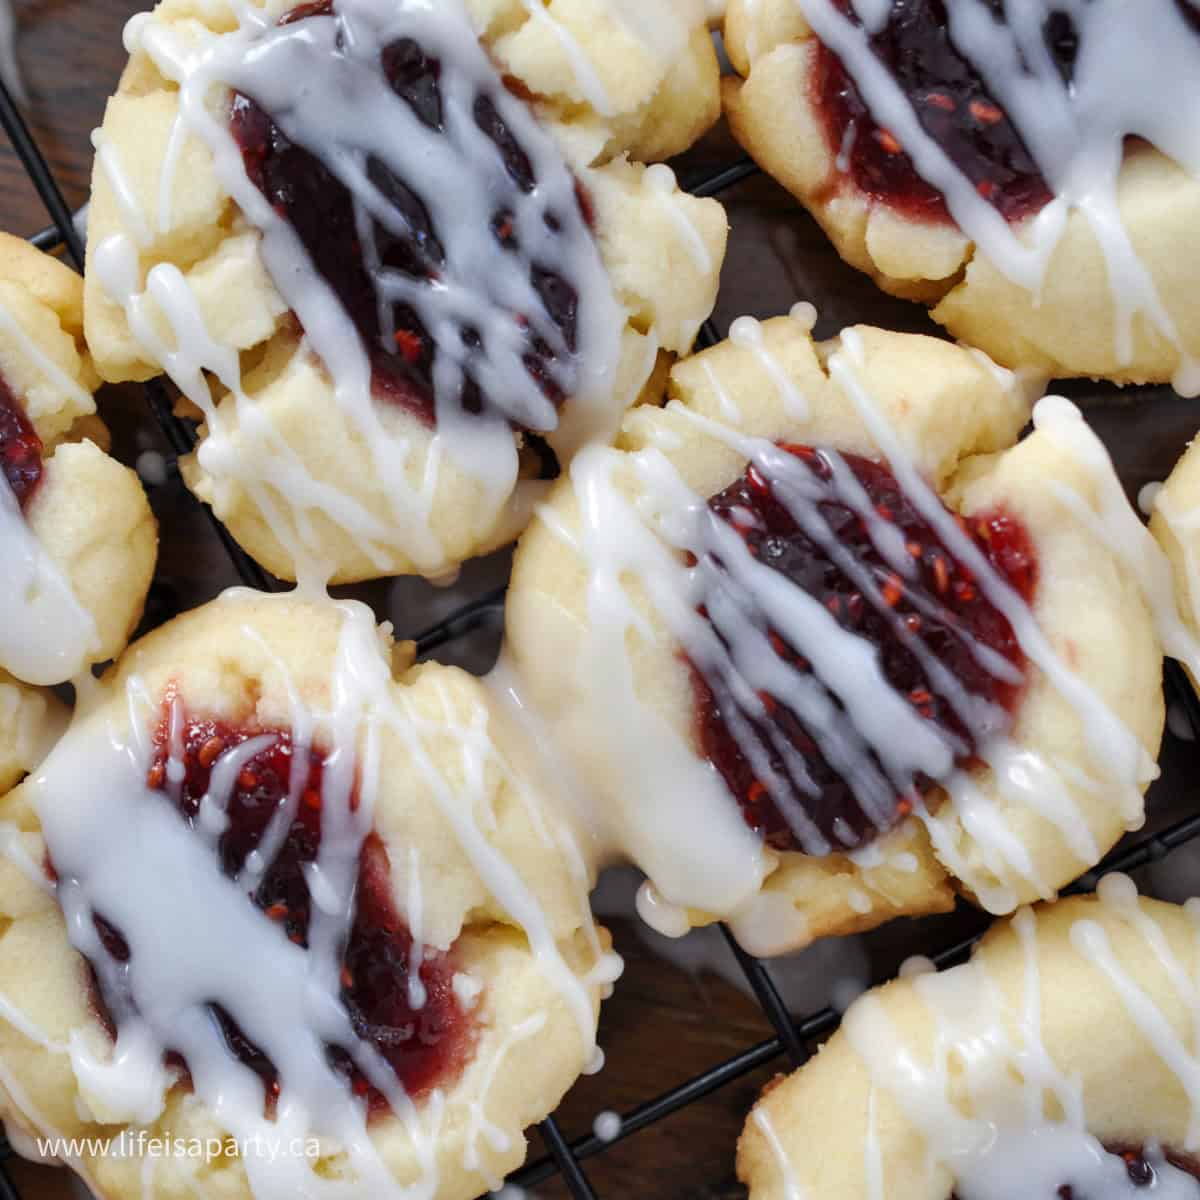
(1058, 1063)
(1002, 125)
(314, 902)
(823, 592)
(414, 241)
(76, 534)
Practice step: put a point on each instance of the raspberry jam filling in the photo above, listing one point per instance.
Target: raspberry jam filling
(426, 1045)
(359, 255)
(953, 106)
(20, 447)
(938, 602)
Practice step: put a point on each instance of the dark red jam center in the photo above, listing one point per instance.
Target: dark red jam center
(1141, 1171)
(20, 447)
(940, 604)
(425, 1046)
(321, 210)
(953, 106)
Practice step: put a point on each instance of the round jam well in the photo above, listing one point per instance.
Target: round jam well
(427, 1044)
(934, 612)
(20, 447)
(382, 242)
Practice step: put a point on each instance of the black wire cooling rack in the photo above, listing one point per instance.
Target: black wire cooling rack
(795, 1038)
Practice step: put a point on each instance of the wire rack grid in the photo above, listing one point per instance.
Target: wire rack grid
(794, 1038)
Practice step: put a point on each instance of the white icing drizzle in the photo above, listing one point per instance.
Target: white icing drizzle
(201, 942)
(746, 332)
(346, 117)
(997, 1115)
(46, 635)
(1136, 74)
(109, 160)
(607, 1126)
(787, 1173)
(587, 79)
(660, 182)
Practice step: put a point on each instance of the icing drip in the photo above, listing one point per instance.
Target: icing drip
(841, 530)
(1135, 71)
(462, 315)
(251, 995)
(346, 118)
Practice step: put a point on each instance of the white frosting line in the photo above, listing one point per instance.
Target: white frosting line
(46, 636)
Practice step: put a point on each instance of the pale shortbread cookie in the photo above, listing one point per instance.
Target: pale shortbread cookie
(1175, 522)
(476, 868)
(295, 473)
(1071, 325)
(88, 514)
(1072, 1027)
(31, 721)
(605, 667)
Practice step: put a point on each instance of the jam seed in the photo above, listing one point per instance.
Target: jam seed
(410, 345)
(347, 978)
(888, 141)
(277, 912)
(247, 781)
(312, 799)
(893, 591)
(940, 100)
(210, 751)
(985, 112)
(757, 791)
(156, 776)
(941, 575)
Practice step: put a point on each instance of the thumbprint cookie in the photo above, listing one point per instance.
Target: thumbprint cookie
(828, 640)
(401, 259)
(1032, 171)
(267, 890)
(77, 538)
(1058, 1064)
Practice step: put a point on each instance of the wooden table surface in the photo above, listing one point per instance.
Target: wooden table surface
(665, 1024)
